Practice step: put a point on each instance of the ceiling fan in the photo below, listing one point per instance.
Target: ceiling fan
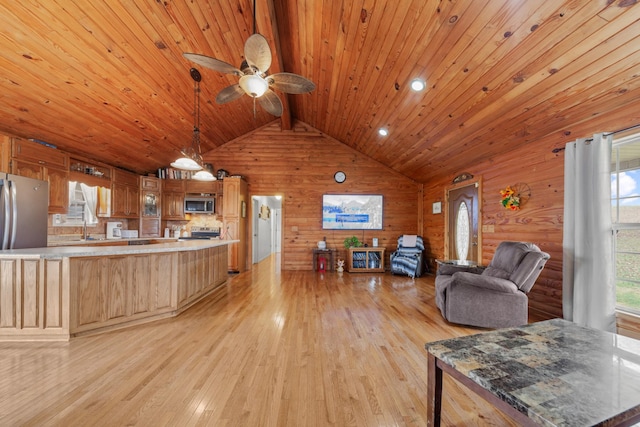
(254, 80)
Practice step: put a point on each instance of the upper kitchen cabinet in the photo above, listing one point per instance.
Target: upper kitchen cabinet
(150, 207)
(40, 154)
(203, 187)
(173, 199)
(38, 161)
(5, 153)
(125, 195)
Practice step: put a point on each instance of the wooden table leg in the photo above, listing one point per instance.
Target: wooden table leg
(434, 391)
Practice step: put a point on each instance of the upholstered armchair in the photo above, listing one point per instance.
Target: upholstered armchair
(495, 296)
(408, 258)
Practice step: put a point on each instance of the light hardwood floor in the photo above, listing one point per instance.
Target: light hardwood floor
(279, 348)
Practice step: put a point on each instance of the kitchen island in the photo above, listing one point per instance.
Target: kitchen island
(55, 293)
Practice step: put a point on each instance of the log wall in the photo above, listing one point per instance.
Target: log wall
(539, 220)
(299, 165)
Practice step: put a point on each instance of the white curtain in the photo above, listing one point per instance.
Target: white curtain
(90, 195)
(72, 190)
(588, 288)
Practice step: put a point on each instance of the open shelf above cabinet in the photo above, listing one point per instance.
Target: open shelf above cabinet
(90, 173)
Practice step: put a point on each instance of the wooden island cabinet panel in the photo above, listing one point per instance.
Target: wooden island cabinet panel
(52, 298)
(117, 288)
(110, 290)
(33, 299)
(197, 269)
(141, 298)
(163, 273)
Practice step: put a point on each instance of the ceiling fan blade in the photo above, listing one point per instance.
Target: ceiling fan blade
(271, 103)
(257, 52)
(290, 83)
(213, 63)
(229, 93)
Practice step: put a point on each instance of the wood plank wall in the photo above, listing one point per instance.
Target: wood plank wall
(539, 220)
(299, 165)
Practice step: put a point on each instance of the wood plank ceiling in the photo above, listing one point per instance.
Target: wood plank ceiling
(108, 80)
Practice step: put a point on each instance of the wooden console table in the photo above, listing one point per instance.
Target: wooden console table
(329, 254)
(547, 373)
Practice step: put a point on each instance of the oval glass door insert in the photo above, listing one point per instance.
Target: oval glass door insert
(462, 232)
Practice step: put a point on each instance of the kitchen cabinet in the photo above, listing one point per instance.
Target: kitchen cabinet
(150, 183)
(5, 153)
(173, 200)
(151, 209)
(201, 187)
(34, 160)
(37, 153)
(125, 195)
(236, 197)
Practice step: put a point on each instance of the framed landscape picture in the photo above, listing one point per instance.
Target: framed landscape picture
(352, 211)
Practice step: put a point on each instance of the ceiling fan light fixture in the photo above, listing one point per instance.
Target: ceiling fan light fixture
(253, 85)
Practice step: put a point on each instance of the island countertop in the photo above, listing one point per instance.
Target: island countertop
(54, 252)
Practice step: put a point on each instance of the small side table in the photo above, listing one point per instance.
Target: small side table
(329, 254)
(450, 266)
(457, 262)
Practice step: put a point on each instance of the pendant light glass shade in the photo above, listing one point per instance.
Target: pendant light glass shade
(204, 175)
(253, 85)
(186, 164)
(190, 159)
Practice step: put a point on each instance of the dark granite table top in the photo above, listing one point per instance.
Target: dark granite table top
(555, 372)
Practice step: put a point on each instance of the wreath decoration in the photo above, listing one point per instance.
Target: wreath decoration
(510, 200)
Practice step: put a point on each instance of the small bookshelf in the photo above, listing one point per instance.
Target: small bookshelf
(366, 260)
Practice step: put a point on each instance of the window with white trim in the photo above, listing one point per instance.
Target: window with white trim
(625, 211)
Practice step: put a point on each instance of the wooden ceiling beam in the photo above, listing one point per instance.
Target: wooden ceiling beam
(267, 25)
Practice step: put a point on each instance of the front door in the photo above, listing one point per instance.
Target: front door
(462, 230)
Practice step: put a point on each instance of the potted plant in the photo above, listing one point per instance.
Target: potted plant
(352, 242)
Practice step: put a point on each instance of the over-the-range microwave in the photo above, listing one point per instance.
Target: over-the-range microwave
(199, 203)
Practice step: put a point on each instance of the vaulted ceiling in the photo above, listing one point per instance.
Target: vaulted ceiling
(108, 79)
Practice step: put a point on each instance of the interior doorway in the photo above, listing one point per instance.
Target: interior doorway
(462, 237)
(266, 226)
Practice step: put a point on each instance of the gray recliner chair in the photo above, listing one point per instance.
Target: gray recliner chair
(495, 296)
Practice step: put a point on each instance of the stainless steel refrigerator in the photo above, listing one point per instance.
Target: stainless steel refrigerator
(23, 212)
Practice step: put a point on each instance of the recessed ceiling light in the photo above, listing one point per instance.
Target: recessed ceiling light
(383, 132)
(418, 85)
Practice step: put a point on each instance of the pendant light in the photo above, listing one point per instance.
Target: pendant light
(191, 159)
(203, 175)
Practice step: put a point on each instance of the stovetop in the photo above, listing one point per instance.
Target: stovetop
(204, 232)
